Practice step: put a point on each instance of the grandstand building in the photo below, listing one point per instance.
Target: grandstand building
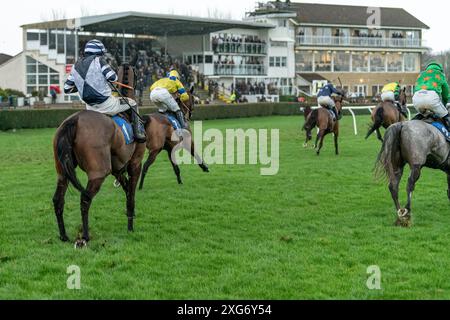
(281, 48)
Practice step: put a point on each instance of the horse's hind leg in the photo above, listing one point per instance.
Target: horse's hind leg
(379, 136)
(176, 168)
(320, 137)
(134, 172)
(151, 159)
(198, 158)
(405, 214)
(394, 183)
(448, 183)
(92, 189)
(58, 203)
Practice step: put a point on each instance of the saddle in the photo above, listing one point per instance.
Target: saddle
(435, 123)
(123, 121)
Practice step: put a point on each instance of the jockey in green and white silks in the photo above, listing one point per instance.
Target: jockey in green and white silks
(90, 76)
(432, 93)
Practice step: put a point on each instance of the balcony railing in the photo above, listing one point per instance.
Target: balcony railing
(240, 48)
(359, 42)
(236, 70)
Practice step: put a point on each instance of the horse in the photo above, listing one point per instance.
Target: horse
(160, 132)
(385, 115)
(96, 144)
(326, 123)
(419, 145)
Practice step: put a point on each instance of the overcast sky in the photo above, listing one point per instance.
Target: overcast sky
(19, 12)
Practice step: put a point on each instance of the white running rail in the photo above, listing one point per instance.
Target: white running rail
(369, 108)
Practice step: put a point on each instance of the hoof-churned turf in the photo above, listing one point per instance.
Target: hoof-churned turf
(309, 232)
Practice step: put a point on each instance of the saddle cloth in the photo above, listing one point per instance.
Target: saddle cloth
(173, 120)
(126, 127)
(442, 129)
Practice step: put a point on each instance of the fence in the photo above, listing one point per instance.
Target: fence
(352, 109)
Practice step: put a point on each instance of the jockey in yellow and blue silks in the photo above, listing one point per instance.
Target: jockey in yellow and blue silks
(162, 94)
(391, 92)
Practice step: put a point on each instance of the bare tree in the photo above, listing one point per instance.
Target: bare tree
(215, 13)
(55, 14)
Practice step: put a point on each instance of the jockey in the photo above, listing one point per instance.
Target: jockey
(432, 93)
(324, 99)
(391, 92)
(90, 76)
(163, 93)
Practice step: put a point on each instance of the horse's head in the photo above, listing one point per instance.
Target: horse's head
(403, 98)
(339, 98)
(188, 106)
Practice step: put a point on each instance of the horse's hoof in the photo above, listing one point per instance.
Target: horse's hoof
(403, 223)
(206, 170)
(180, 183)
(305, 145)
(64, 238)
(80, 244)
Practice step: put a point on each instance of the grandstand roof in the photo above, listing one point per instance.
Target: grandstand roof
(333, 14)
(148, 23)
(4, 58)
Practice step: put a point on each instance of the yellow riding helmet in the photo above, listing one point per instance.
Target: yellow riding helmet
(174, 74)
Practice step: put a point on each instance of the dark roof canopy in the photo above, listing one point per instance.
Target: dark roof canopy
(330, 14)
(310, 77)
(4, 58)
(149, 24)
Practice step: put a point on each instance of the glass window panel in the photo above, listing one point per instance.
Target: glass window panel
(70, 48)
(360, 62)
(31, 79)
(30, 90)
(44, 38)
(43, 90)
(54, 79)
(43, 79)
(411, 62)
(342, 62)
(30, 60)
(60, 49)
(395, 62)
(323, 61)
(31, 68)
(52, 40)
(32, 36)
(377, 62)
(304, 61)
(43, 68)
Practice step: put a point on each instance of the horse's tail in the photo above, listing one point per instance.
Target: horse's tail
(64, 155)
(377, 123)
(390, 153)
(311, 121)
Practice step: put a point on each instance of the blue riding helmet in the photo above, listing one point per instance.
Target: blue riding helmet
(95, 47)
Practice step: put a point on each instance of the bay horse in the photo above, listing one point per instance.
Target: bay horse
(385, 115)
(326, 123)
(160, 132)
(419, 145)
(96, 144)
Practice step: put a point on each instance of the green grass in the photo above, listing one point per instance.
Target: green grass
(309, 232)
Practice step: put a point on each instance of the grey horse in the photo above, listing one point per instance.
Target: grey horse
(419, 145)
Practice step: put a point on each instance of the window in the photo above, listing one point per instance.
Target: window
(304, 61)
(282, 23)
(39, 77)
(199, 59)
(70, 48)
(322, 60)
(323, 35)
(360, 62)
(31, 79)
(42, 68)
(52, 40)
(377, 62)
(278, 43)
(342, 61)
(32, 36)
(278, 62)
(60, 36)
(209, 59)
(44, 38)
(411, 62)
(395, 62)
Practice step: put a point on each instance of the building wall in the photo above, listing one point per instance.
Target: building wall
(12, 73)
(369, 79)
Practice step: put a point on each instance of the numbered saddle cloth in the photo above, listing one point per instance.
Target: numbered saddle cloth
(442, 129)
(174, 121)
(126, 127)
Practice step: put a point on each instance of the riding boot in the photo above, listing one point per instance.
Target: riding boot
(337, 114)
(138, 127)
(180, 118)
(418, 116)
